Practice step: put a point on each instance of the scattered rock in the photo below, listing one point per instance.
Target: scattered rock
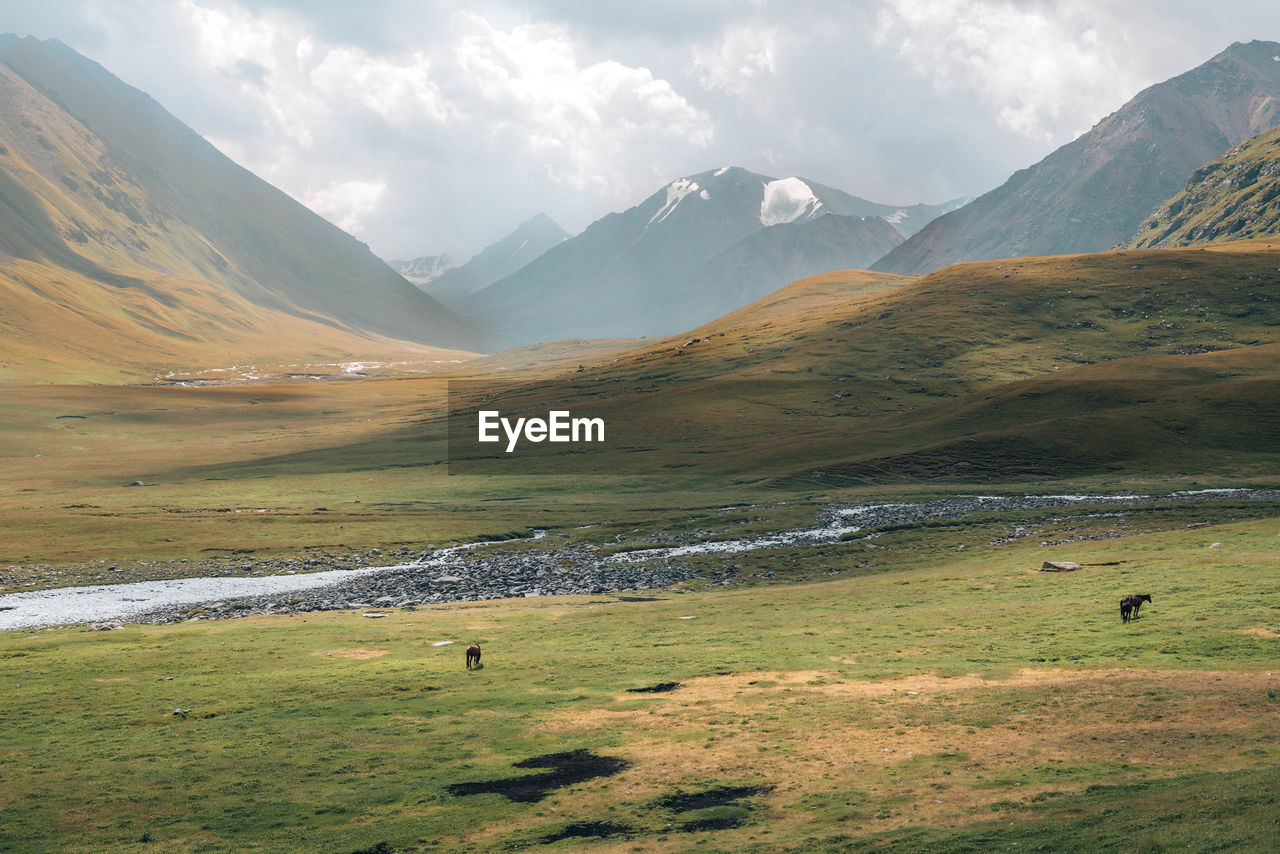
(1059, 566)
(136, 483)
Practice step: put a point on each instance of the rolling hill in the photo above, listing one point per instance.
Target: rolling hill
(1094, 192)
(1233, 198)
(649, 270)
(127, 242)
(1060, 366)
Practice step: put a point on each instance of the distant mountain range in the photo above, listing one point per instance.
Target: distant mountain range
(1235, 197)
(498, 260)
(701, 246)
(1093, 193)
(422, 270)
(125, 237)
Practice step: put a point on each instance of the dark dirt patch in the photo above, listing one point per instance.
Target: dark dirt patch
(641, 599)
(589, 829)
(574, 766)
(660, 688)
(717, 797)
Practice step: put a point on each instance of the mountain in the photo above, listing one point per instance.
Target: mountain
(126, 238)
(1094, 192)
(498, 260)
(772, 257)
(1236, 196)
(422, 270)
(641, 272)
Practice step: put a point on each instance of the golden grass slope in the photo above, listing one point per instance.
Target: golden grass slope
(61, 326)
(102, 278)
(973, 324)
(1035, 367)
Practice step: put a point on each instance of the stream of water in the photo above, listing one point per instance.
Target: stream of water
(98, 603)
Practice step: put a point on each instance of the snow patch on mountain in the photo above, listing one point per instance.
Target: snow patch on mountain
(676, 191)
(721, 171)
(423, 270)
(788, 200)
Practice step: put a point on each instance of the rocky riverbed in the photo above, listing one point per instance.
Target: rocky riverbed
(539, 566)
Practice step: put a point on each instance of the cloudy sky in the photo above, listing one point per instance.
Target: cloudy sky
(424, 126)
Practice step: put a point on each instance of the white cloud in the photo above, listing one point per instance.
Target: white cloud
(401, 91)
(517, 96)
(1045, 68)
(584, 122)
(740, 62)
(345, 203)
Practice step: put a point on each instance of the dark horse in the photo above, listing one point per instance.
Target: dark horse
(473, 656)
(1130, 605)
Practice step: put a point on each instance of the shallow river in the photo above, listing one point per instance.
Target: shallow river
(106, 602)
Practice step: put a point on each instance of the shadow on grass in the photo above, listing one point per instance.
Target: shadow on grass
(574, 766)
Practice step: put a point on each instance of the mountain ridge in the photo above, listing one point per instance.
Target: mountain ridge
(146, 202)
(635, 272)
(1092, 193)
(498, 260)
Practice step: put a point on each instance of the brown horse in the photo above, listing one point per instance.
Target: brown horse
(1137, 599)
(473, 656)
(1130, 605)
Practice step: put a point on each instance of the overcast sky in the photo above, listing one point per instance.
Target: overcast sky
(440, 125)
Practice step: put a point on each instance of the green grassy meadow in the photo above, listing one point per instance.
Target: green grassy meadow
(945, 699)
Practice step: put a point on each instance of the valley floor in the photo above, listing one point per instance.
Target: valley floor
(936, 693)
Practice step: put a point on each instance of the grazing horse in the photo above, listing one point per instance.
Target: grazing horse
(473, 656)
(1126, 608)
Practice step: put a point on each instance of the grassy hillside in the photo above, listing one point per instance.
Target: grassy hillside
(1233, 198)
(991, 370)
(115, 215)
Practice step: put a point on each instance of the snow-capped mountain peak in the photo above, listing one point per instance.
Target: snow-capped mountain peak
(787, 200)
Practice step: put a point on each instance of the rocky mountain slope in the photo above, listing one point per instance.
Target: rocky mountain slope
(126, 238)
(1093, 193)
(1236, 196)
(649, 270)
